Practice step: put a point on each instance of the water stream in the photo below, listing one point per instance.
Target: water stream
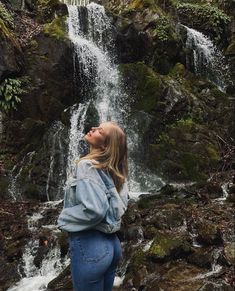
(206, 59)
(36, 278)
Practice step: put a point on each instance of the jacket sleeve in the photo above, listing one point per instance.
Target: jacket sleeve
(92, 204)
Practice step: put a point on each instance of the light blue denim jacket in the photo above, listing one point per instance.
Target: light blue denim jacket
(92, 201)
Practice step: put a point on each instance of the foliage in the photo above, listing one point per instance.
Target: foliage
(10, 93)
(206, 13)
(6, 16)
(56, 28)
(46, 9)
(165, 139)
(163, 29)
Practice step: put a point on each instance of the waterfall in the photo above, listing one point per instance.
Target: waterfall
(14, 188)
(206, 59)
(76, 133)
(36, 278)
(57, 161)
(90, 31)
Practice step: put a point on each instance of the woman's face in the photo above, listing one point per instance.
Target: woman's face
(97, 135)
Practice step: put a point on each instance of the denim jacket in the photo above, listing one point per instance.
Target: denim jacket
(92, 201)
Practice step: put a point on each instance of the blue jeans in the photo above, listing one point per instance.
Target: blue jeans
(94, 259)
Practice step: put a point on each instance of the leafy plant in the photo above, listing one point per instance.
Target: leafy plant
(163, 29)
(10, 93)
(6, 16)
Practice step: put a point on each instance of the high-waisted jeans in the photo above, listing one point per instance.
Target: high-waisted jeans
(94, 259)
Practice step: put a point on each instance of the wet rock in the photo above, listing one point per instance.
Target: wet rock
(62, 282)
(201, 257)
(231, 193)
(134, 233)
(208, 233)
(8, 274)
(43, 249)
(63, 242)
(11, 58)
(169, 246)
(222, 286)
(214, 190)
(229, 251)
(167, 219)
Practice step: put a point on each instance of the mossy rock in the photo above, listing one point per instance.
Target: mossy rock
(167, 246)
(207, 18)
(185, 151)
(150, 232)
(230, 51)
(229, 252)
(208, 233)
(201, 257)
(144, 85)
(31, 191)
(138, 259)
(6, 33)
(46, 9)
(56, 28)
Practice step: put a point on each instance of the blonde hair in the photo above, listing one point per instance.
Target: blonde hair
(113, 157)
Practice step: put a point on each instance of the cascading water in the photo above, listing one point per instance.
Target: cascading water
(13, 188)
(35, 278)
(57, 161)
(205, 59)
(90, 31)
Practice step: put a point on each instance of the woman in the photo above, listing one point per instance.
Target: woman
(94, 203)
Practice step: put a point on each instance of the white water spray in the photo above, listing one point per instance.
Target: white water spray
(36, 278)
(206, 58)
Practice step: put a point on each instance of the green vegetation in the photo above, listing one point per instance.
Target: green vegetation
(10, 93)
(56, 28)
(146, 86)
(166, 245)
(207, 16)
(163, 30)
(46, 9)
(6, 16)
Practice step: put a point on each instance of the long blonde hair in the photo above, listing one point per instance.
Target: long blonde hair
(113, 157)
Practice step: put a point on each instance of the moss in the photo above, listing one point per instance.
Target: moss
(213, 154)
(56, 28)
(3, 185)
(6, 16)
(144, 86)
(178, 70)
(150, 232)
(208, 233)
(206, 16)
(31, 191)
(163, 30)
(138, 259)
(8, 34)
(46, 9)
(166, 246)
(230, 49)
